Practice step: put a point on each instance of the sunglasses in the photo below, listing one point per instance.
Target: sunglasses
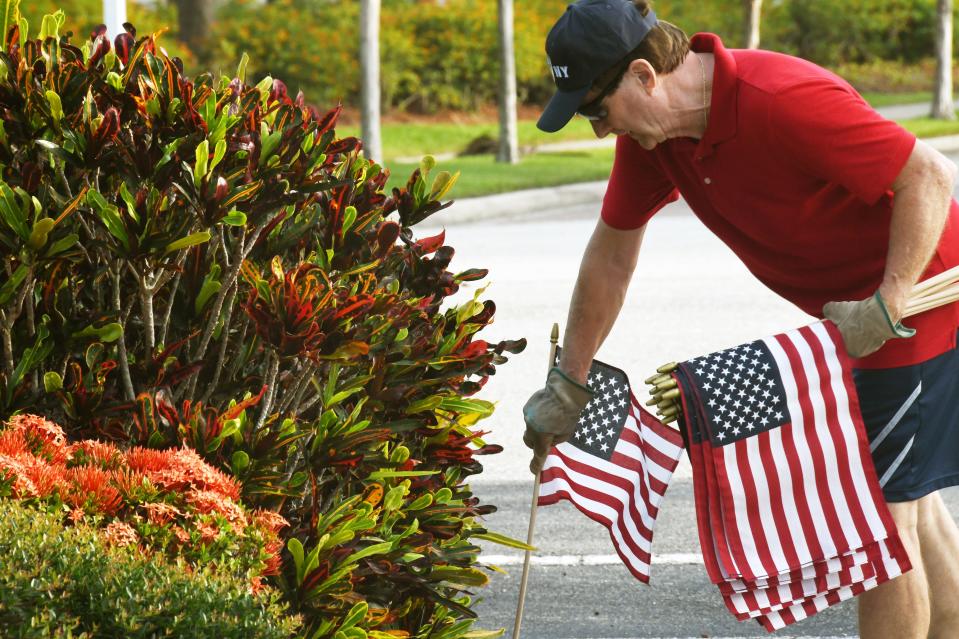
(594, 109)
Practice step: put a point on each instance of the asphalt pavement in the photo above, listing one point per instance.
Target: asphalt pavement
(578, 588)
(690, 295)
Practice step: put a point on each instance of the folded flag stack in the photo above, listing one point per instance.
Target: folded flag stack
(790, 514)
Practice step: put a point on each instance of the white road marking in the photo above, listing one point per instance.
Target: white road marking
(669, 559)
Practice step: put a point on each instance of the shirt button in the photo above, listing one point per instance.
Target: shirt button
(708, 181)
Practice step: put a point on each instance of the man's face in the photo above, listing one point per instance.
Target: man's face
(632, 107)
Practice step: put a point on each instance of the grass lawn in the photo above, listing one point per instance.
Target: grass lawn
(413, 139)
(889, 99)
(929, 128)
(481, 175)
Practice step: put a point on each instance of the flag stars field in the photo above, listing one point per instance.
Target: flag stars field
(732, 399)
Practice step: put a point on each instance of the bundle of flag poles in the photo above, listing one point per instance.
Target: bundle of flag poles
(790, 514)
(931, 293)
(936, 291)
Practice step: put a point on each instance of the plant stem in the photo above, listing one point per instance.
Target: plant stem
(226, 286)
(224, 340)
(31, 330)
(146, 308)
(10, 315)
(63, 179)
(293, 399)
(242, 250)
(226, 253)
(122, 342)
(27, 286)
(235, 365)
(63, 366)
(272, 373)
(310, 403)
(7, 349)
(169, 310)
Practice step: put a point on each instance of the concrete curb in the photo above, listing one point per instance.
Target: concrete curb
(550, 147)
(518, 203)
(944, 143)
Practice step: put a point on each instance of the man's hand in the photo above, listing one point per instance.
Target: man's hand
(865, 325)
(551, 415)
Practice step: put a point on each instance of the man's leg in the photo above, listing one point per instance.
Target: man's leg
(899, 609)
(939, 540)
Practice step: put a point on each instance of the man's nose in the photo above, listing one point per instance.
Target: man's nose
(600, 128)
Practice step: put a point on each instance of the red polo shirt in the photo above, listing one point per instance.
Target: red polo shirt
(794, 175)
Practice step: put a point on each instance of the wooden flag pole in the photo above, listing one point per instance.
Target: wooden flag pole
(553, 339)
(945, 278)
(944, 296)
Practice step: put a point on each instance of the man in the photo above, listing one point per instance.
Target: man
(831, 206)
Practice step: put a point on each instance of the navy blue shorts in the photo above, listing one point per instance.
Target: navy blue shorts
(912, 420)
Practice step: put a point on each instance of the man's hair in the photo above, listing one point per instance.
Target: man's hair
(664, 47)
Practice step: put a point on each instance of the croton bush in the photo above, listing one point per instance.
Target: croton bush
(203, 264)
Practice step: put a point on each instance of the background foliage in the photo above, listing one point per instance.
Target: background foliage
(312, 44)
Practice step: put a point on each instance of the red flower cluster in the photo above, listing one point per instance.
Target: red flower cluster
(183, 498)
(179, 470)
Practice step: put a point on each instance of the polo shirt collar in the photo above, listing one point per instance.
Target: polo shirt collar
(722, 102)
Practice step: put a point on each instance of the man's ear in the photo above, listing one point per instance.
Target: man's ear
(643, 71)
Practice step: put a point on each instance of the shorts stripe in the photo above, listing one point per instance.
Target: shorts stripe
(895, 419)
(895, 465)
(911, 414)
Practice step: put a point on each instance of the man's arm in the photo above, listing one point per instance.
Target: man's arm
(607, 266)
(604, 275)
(923, 191)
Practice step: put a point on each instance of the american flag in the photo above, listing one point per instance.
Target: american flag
(616, 466)
(791, 515)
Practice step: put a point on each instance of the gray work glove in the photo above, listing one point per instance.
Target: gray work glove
(865, 325)
(551, 415)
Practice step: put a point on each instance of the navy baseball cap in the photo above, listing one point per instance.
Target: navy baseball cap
(590, 38)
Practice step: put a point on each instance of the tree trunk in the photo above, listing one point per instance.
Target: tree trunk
(752, 10)
(194, 19)
(942, 106)
(370, 79)
(508, 144)
(114, 15)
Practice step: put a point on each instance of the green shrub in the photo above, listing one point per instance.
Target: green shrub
(66, 582)
(853, 31)
(202, 262)
(312, 46)
(884, 76)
